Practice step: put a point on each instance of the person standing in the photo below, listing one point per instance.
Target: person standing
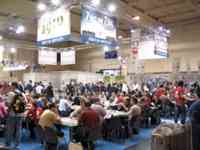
(180, 110)
(16, 108)
(194, 113)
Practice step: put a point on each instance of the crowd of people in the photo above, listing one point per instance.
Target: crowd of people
(39, 107)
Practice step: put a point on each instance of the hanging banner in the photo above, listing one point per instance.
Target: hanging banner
(54, 27)
(153, 46)
(161, 45)
(47, 57)
(97, 27)
(135, 41)
(68, 57)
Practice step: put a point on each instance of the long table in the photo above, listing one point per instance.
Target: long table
(69, 122)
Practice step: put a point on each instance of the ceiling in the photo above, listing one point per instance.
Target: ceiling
(167, 12)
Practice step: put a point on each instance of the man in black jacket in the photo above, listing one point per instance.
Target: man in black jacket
(195, 120)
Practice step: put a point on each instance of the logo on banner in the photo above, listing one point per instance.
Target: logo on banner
(54, 27)
(98, 28)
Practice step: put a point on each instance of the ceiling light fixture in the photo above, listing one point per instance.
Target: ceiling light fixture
(112, 8)
(136, 18)
(106, 48)
(20, 29)
(41, 7)
(160, 28)
(56, 2)
(2, 48)
(120, 37)
(168, 31)
(117, 47)
(132, 30)
(13, 50)
(96, 2)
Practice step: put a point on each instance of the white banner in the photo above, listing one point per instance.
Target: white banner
(97, 27)
(54, 25)
(47, 57)
(68, 58)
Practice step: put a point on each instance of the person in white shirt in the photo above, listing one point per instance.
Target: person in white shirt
(39, 88)
(64, 106)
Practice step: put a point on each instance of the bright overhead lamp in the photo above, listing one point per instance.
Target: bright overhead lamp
(106, 48)
(96, 2)
(120, 37)
(41, 7)
(160, 28)
(136, 18)
(56, 2)
(168, 31)
(2, 48)
(13, 50)
(119, 58)
(112, 8)
(20, 29)
(117, 47)
(132, 30)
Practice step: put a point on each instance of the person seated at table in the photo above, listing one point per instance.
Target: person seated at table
(102, 98)
(113, 97)
(100, 110)
(135, 109)
(89, 120)
(119, 99)
(125, 105)
(134, 114)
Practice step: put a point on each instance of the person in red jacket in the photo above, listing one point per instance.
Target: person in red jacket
(89, 120)
(180, 110)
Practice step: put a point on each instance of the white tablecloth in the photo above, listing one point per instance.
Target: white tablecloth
(69, 122)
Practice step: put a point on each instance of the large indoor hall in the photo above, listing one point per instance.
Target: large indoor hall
(99, 74)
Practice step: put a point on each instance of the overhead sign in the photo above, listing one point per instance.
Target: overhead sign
(161, 45)
(54, 27)
(97, 27)
(153, 46)
(135, 41)
(68, 57)
(47, 57)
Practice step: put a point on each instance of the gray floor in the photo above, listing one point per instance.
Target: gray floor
(144, 145)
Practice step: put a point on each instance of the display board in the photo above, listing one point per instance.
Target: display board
(47, 57)
(111, 55)
(68, 57)
(97, 27)
(153, 47)
(54, 27)
(111, 72)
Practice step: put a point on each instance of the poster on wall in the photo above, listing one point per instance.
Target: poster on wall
(47, 57)
(54, 27)
(68, 57)
(97, 27)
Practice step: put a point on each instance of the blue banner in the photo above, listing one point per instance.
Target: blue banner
(98, 28)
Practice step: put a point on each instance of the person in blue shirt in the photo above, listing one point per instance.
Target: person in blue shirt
(194, 112)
